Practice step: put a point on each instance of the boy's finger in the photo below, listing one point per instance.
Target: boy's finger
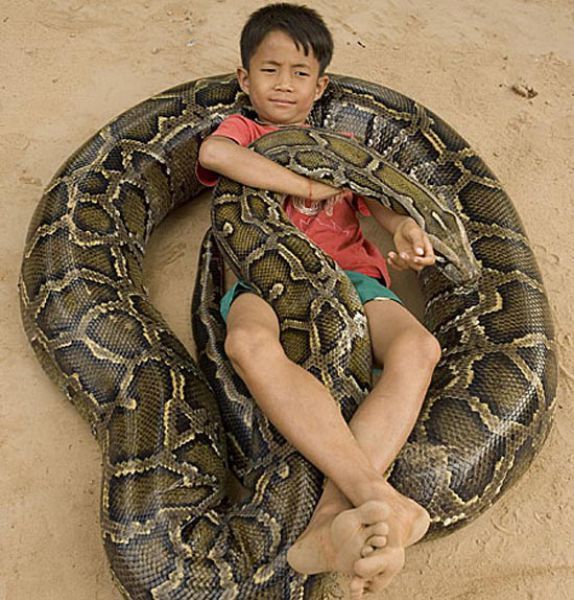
(397, 262)
(418, 241)
(425, 261)
(429, 251)
(413, 262)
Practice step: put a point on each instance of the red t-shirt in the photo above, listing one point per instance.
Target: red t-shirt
(333, 225)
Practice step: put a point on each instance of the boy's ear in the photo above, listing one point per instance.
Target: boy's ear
(322, 83)
(243, 79)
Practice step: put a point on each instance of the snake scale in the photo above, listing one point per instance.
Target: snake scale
(172, 431)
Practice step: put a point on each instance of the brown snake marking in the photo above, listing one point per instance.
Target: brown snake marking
(170, 439)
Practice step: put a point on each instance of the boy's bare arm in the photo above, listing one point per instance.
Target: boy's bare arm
(226, 157)
(387, 218)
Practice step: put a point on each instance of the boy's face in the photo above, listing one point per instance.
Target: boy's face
(282, 83)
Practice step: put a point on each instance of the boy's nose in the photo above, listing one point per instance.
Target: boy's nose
(284, 83)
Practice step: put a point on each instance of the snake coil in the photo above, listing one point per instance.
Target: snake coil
(171, 433)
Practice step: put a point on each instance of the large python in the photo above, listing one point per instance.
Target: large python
(170, 439)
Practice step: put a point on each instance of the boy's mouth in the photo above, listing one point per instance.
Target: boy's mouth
(282, 101)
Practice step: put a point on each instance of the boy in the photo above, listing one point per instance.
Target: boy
(285, 50)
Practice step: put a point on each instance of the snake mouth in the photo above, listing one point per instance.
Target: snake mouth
(462, 269)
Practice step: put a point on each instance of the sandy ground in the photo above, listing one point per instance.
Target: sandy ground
(69, 66)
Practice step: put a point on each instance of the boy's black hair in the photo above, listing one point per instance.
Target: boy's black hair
(302, 24)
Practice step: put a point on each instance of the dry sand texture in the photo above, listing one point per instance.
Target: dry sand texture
(69, 66)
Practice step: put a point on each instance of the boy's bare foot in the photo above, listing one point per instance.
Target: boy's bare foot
(378, 565)
(368, 542)
(335, 541)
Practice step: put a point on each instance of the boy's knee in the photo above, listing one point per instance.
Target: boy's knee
(427, 347)
(248, 346)
(434, 350)
(421, 347)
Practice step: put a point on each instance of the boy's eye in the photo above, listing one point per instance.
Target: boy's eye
(268, 70)
(302, 73)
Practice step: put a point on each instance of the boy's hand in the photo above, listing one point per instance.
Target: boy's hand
(321, 191)
(414, 250)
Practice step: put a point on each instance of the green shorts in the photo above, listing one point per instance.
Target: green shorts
(367, 287)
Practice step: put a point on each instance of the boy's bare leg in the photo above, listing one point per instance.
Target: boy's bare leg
(308, 417)
(381, 426)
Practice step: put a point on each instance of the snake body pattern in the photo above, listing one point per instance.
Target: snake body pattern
(172, 430)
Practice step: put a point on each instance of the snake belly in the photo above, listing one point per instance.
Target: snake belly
(170, 439)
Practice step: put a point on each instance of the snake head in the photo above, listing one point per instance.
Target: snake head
(454, 255)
